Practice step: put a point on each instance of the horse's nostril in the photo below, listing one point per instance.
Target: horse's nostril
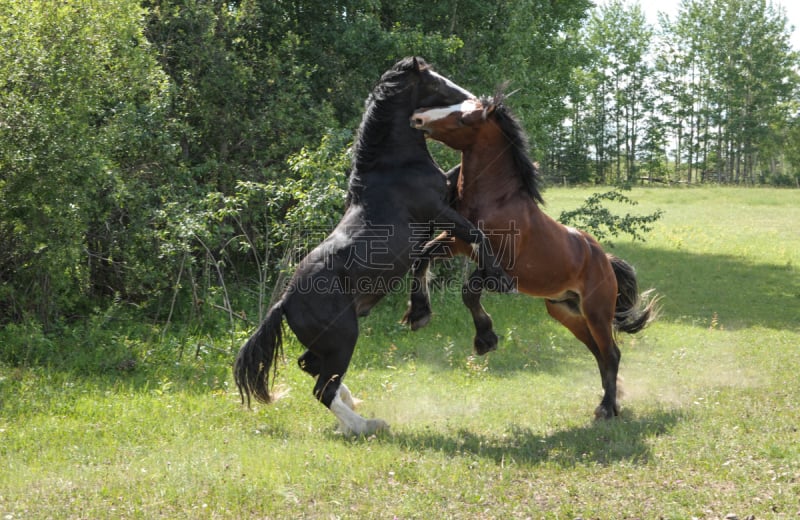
(416, 122)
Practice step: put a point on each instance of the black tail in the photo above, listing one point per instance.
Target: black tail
(258, 356)
(634, 311)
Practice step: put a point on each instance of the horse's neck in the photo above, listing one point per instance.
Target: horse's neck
(386, 137)
(487, 172)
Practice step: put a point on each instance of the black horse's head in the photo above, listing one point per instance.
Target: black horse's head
(428, 88)
(409, 85)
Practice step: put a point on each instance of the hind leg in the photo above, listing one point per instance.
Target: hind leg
(599, 340)
(330, 341)
(330, 390)
(334, 359)
(311, 363)
(598, 311)
(419, 311)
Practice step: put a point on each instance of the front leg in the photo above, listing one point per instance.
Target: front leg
(485, 338)
(452, 177)
(490, 275)
(488, 272)
(490, 269)
(419, 309)
(419, 305)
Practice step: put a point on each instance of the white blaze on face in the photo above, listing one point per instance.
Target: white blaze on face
(435, 114)
(453, 85)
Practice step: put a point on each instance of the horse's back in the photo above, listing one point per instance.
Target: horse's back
(550, 258)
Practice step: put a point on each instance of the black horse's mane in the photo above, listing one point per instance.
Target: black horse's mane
(518, 139)
(381, 106)
(395, 79)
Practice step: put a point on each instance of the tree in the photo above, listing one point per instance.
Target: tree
(733, 74)
(81, 105)
(618, 39)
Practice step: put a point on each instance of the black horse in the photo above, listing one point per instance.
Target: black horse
(396, 199)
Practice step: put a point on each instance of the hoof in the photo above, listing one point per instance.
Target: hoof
(376, 426)
(485, 343)
(415, 318)
(602, 412)
(367, 428)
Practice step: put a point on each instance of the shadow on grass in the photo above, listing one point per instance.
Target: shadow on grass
(739, 292)
(734, 292)
(602, 442)
(699, 290)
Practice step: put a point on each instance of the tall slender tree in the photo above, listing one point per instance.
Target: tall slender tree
(618, 38)
(730, 71)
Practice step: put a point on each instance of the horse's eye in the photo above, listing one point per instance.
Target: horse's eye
(461, 122)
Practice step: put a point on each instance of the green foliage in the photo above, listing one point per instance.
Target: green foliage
(24, 344)
(164, 154)
(90, 347)
(708, 96)
(249, 236)
(598, 220)
(316, 193)
(82, 125)
(618, 39)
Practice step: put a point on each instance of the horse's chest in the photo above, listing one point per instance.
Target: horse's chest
(473, 212)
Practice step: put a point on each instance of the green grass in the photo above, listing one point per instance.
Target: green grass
(709, 424)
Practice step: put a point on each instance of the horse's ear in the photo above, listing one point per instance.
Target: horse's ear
(415, 62)
(489, 110)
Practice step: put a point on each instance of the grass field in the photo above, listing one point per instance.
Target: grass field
(709, 427)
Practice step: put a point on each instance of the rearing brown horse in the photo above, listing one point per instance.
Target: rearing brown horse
(592, 293)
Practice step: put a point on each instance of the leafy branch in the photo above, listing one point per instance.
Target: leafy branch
(595, 218)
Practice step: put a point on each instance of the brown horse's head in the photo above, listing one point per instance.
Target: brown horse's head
(488, 123)
(458, 126)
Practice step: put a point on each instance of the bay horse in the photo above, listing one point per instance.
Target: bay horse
(397, 197)
(592, 293)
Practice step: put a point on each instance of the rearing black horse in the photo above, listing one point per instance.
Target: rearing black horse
(396, 198)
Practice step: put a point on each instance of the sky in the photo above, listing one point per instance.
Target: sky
(651, 9)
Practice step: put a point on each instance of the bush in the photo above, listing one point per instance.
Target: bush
(255, 234)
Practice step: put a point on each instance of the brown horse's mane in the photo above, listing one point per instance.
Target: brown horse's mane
(518, 139)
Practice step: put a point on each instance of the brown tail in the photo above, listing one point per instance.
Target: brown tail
(634, 311)
(257, 356)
